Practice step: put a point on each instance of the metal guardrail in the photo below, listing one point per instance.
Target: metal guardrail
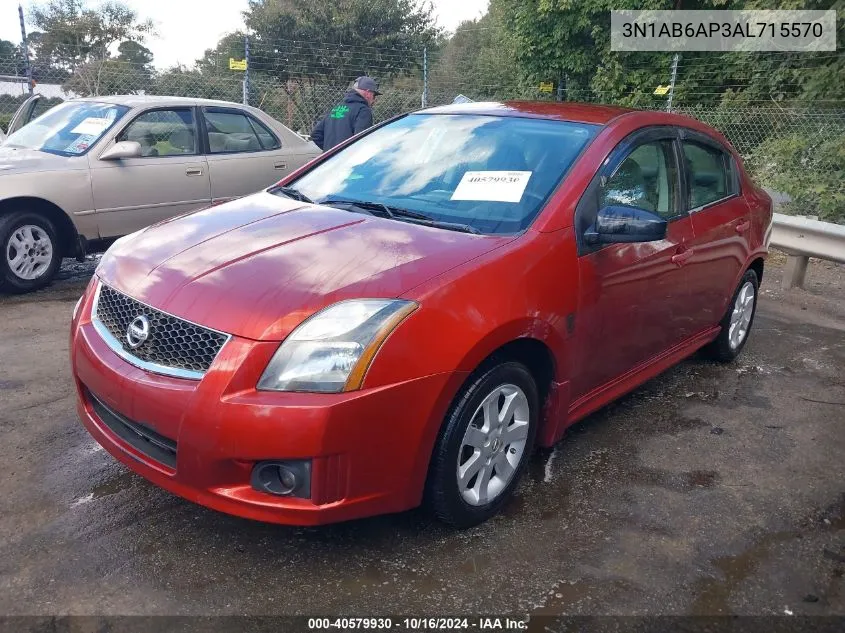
(802, 238)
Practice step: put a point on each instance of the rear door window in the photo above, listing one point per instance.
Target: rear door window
(230, 131)
(709, 174)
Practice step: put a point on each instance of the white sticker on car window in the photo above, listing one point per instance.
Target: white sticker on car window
(91, 125)
(492, 186)
(81, 144)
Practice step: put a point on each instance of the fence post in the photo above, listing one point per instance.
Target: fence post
(246, 72)
(672, 83)
(425, 77)
(25, 50)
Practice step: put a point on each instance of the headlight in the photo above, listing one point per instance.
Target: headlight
(331, 351)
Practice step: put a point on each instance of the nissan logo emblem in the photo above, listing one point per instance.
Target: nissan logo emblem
(138, 331)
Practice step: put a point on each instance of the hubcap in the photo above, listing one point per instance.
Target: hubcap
(29, 252)
(741, 315)
(493, 445)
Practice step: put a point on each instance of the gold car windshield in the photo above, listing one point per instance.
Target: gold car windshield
(69, 129)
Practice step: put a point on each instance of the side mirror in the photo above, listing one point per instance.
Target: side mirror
(617, 223)
(123, 149)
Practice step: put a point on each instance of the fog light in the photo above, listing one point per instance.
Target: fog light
(290, 478)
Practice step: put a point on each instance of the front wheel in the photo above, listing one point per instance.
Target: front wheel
(30, 252)
(736, 324)
(484, 445)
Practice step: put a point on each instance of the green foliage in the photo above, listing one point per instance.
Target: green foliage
(338, 39)
(9, 105)
(477, 60)
(135, 53)
(181, 82)
(108, 77)
(810, 170)
(77, 41)
(568, 41)
(11, 60)
(69, 35)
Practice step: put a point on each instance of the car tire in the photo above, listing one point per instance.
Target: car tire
(740, 314)
(21, 230)
(498, 449)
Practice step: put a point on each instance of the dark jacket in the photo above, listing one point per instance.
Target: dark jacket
(345, 120)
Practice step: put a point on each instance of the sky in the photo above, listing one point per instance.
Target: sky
(187, 27)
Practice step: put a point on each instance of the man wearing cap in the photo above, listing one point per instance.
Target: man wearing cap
(353, 115)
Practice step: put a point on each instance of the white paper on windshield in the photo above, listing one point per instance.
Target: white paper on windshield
(492, 186)
(81, 144)
(91, 125)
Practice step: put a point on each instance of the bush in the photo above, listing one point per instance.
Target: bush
(810, 170)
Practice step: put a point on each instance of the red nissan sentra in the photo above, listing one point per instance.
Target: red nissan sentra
(406, 317)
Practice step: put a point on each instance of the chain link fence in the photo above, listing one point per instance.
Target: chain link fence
(797, 150)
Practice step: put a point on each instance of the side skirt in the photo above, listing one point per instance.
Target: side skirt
(632, 379)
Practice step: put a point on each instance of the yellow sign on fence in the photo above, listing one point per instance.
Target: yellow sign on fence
(237, 64)
(546, 86)
(661, 90)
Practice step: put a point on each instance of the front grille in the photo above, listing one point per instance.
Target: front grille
(137, 435)
(172, 343)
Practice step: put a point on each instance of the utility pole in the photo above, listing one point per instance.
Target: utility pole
(425, 76)
(25, 51)
(672, 83)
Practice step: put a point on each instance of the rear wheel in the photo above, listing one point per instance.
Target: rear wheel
(736, 324)
(484, 445)
(31, 254)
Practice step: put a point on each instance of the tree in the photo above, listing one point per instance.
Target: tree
(303, 54)
(135, 53)
(80, 41)
(338, 39)
(11, 62)
(475, 61)
(568, 41)
(182, 82)
(216, 60)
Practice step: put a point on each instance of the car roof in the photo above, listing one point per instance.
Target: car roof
(133, 101)
(560, 111)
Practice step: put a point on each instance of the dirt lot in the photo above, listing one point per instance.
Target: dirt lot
(710, 490)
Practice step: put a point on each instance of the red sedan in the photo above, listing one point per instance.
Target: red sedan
(406, 317)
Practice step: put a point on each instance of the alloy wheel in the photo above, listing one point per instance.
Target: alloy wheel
(29, 252)
(741, 315)
(493, 445)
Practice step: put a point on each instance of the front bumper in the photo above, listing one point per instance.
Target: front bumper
(368, 449)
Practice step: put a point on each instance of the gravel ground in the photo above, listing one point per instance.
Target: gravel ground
(711, 490)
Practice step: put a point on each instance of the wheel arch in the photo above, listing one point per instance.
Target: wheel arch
(67, 233)
(757, 266)
(514, 342)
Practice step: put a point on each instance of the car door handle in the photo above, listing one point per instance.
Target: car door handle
(742, 227)
(280, 166)
(681, 258)
(193, 172)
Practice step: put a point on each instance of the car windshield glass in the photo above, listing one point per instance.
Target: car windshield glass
(490, 173)
(69, 129)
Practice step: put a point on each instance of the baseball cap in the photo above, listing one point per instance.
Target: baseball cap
(367, 83)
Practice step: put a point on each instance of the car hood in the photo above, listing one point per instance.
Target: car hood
(16, 160)
(258, 266)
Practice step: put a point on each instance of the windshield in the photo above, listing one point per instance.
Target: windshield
(69, 129)
(490, 173)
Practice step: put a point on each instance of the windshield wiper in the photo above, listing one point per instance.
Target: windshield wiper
(377, 208)
(290, 192)
(387, 211)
